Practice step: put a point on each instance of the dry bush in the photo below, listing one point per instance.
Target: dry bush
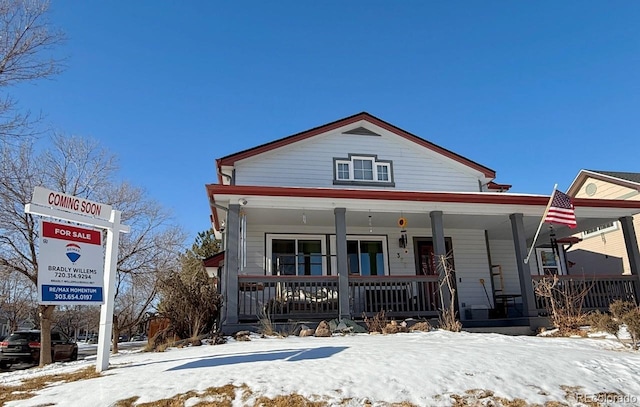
(422, 326)
(627, 313)
(448, 317)
(632, 320)
(377, 323)
(393, 328)
(604, 323)
(265, 323)
(564, 303)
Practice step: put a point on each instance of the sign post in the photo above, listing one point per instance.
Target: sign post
(74, 242)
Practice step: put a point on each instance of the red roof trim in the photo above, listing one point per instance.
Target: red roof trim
(231, 159)
(214, 261)
(498, 187)
(454, 197)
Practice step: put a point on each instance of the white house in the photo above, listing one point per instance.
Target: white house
(351, 217)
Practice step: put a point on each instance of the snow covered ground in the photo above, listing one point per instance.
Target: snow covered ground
(422, 368)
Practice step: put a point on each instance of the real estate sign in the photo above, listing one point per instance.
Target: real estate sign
(69, 203)
(70, 264)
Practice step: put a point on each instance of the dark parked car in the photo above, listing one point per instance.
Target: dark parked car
(24, 347)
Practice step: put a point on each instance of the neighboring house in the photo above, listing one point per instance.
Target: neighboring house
(352, 217)
(602, 248)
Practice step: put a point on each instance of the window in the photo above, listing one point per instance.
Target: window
(363, 169)
(383, 172)
(302, 255)
(366, 255)
(607, 227)
(548, 263)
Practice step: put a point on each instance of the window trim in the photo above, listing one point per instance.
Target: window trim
(375, 162)
(269, 237)
(597, 232)
(559, 267)
(385, 251)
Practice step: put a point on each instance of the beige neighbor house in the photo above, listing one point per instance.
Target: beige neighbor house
(602, 249)
(350, 218)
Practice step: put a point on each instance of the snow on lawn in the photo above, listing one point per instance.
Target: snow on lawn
(421, 368)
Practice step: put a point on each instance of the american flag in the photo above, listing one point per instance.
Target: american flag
(561, 210)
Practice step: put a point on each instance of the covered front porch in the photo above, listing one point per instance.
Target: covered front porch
(310, 254)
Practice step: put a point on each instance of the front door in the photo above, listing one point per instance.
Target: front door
(426, 265)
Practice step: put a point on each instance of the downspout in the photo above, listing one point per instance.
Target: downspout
(221, 174)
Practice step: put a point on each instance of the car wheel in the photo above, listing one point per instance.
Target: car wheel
(74, 354)
(4, 365)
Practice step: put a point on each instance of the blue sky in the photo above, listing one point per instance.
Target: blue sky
(534, 90)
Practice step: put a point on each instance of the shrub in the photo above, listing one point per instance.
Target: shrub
(377, 323)
(564, 303)
(604, 323)
(620, 312)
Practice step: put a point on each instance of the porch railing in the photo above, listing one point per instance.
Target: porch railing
(317, 297)
(287, 297)
(398, 296)
(600, 290)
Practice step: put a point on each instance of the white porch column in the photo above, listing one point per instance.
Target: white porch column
(440, 249)
(341, 261)
(524, 272)
(633, 253)
(231, 263)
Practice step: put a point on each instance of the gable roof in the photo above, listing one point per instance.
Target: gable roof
(230, 160)
(627, 176)
(627, 179)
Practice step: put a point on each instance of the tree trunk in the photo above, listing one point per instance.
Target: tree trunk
(46, 314)
(116, 335)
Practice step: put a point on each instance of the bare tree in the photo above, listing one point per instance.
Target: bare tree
(146, 257)
(79, 167)
(27, 41)
(77, 320)
(17, 298)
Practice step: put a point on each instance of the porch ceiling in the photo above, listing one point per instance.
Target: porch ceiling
(484, 211)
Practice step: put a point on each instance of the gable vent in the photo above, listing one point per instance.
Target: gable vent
(361, 131)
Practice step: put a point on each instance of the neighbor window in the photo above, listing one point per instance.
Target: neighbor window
(607, 227)
(358, 168)
(296, 255)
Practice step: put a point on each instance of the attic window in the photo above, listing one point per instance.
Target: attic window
(361, 131)
(363, 170)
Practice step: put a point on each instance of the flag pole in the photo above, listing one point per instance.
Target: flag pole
(544, 215)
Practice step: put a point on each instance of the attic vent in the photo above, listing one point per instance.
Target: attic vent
(361, 131)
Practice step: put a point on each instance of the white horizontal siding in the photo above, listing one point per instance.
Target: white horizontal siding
(471, 265)
(469, 252)
(503, 254)
(309, 163)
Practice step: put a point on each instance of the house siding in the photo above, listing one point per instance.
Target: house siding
(603, 253)
(503, 254)
(310, 163)
(469, 251)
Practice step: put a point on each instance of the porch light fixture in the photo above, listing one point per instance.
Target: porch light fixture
(212, 272)
(402, 241)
